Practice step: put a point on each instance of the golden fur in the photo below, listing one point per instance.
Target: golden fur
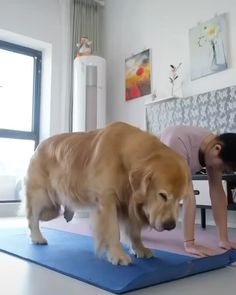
(126, 175)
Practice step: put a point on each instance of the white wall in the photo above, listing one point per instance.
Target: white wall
(133, 25)
(43, 25)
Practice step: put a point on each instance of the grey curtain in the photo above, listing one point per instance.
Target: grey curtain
(86, 21)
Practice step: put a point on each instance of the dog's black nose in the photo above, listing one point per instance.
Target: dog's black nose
(169, 225)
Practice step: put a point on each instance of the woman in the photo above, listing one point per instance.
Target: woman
(217, 153)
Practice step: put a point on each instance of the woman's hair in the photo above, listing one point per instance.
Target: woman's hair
(228, 150)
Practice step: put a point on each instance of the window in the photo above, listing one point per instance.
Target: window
(20, 82)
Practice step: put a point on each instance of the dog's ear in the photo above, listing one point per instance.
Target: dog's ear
(139, 181)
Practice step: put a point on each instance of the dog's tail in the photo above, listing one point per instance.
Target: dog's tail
(48, 209)
(50, 213)
(46, 214)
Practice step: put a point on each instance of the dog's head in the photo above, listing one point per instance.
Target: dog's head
(158, 189)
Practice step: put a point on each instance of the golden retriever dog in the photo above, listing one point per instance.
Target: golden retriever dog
(127, 176)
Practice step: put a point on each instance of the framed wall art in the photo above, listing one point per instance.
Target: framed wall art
(138, 75)
(209, 47)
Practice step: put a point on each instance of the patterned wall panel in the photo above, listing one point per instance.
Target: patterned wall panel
(215, 110)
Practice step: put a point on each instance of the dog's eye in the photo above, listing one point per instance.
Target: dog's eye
(164, 196)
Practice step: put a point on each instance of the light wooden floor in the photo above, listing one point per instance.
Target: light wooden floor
(19, 277)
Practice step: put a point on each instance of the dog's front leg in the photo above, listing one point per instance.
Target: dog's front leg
(107, 234)
(133, 232)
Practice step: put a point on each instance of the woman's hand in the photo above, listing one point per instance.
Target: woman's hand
(227, 245)
(199, 250)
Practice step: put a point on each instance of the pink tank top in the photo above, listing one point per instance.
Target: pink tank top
(186, 141)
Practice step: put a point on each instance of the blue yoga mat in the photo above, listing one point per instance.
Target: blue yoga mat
(72, 254)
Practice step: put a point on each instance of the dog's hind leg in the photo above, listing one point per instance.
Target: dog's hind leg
(39, 208)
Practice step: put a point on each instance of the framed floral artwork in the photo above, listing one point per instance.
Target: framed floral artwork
(209, 47)
(138, 75)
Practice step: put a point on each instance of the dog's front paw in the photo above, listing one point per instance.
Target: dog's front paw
(39, 240)
(118, 256)
(142, 252)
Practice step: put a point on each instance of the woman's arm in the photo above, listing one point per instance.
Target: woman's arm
(219, 207)
(189, 212)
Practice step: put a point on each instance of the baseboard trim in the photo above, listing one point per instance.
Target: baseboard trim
(9, 209)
